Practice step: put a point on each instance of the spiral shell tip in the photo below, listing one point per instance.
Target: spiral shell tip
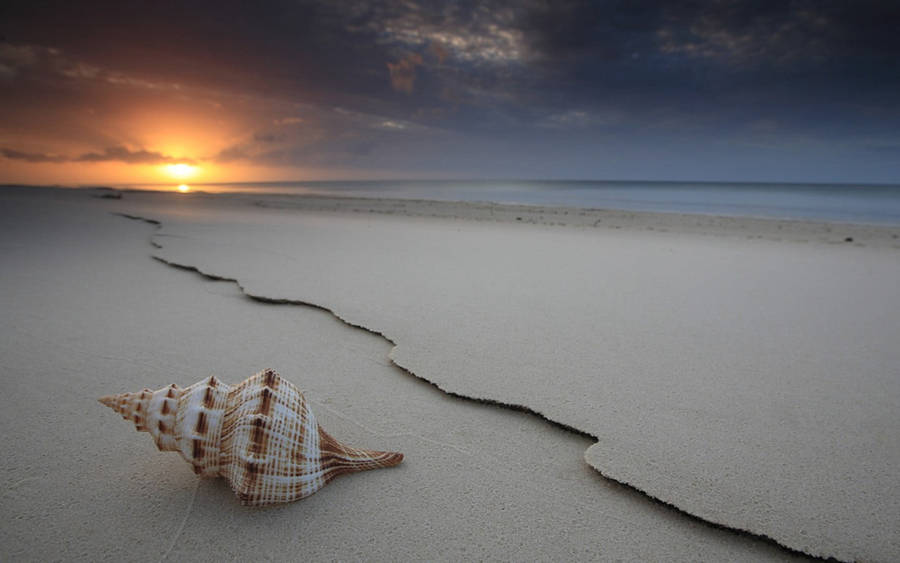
(109, 400)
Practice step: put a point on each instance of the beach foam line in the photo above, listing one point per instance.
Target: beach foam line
(484, 401)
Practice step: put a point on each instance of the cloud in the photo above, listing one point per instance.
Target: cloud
(267, 137)
(781, 32)
(122, 154)
(756, 38)
(120, 79)
(403, 73)
(31, 156)
(13, 58)
(472, 34)
(81, 70)
(579, 119)
(231, 154)
(287, 121)
(390, 124)
(51, 63)
(18, 55)
(110, 154)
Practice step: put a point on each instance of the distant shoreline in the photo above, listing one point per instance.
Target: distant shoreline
(787, 229)
(870, 204)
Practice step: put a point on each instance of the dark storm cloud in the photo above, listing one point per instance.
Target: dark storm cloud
(646, 73)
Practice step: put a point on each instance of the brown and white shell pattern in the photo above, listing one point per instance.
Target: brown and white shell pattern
(259, 435)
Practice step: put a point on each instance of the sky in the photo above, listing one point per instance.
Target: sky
(727, 90)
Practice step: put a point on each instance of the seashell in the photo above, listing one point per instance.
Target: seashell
(259, 435)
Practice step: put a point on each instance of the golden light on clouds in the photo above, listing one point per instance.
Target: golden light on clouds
(181, 170)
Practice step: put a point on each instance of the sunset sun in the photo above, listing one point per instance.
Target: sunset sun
(181, 170)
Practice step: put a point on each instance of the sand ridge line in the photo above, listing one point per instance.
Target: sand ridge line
(485, 401)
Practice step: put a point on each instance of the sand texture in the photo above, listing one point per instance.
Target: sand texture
(750, 381)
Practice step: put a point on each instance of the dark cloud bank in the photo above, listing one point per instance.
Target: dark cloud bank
(738, 90)
(110, 154)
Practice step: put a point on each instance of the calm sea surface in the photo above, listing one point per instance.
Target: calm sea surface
(839, 202)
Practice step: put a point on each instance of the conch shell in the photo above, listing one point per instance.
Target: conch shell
(259, 435)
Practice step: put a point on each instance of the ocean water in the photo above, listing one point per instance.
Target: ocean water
(859, 203)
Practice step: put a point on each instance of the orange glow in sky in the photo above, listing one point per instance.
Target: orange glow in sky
(184, 188)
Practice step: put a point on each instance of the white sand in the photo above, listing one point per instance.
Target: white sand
(752, 382)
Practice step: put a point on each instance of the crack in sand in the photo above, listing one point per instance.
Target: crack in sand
(492, 402)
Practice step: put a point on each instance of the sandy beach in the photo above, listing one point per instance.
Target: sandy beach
(565, 384)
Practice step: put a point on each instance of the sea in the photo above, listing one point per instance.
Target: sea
(856, 203)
